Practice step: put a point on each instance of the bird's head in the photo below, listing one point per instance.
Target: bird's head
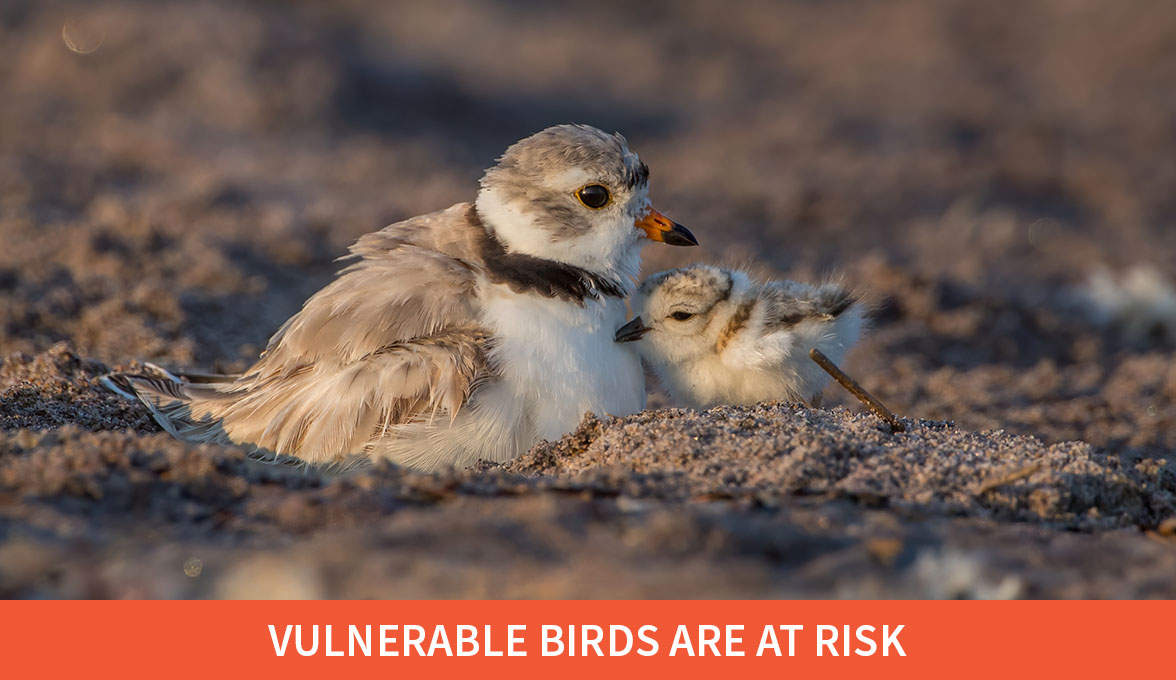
(682, 314)
(576, 195)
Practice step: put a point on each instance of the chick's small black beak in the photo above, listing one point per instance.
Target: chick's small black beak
(631, 331)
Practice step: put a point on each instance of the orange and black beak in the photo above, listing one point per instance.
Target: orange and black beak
(658, 227)
(631, 331)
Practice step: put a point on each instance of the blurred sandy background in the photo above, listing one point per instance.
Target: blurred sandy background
(176, 177)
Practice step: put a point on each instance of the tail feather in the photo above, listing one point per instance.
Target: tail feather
(324, 412)
(178, 402)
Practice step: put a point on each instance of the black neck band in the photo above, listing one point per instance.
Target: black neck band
(529, 274)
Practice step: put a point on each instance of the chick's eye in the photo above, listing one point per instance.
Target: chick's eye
(594, 196)
(681, 316)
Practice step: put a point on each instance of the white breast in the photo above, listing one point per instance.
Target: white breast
(560, 359)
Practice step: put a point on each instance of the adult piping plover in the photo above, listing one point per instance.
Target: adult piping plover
(464, 334)
(714, 336)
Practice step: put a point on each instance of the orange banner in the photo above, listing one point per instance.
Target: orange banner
(875, 639)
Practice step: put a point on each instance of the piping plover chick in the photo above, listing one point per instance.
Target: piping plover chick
(465, 334)
(714, 336)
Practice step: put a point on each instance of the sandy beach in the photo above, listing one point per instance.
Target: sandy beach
(995, 178)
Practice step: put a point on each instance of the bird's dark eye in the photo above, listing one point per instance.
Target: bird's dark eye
(594, 196)
(681, 316)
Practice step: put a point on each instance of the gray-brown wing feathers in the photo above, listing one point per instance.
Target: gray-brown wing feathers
(787, 303)
(392, 340)
(409, 280)
(328, 411)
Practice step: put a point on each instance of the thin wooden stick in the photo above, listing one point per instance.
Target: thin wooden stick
(857, 390)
